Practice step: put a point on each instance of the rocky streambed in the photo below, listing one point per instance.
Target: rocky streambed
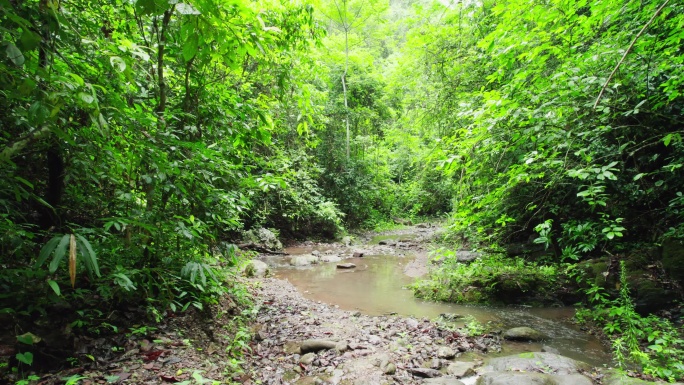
(300, 340)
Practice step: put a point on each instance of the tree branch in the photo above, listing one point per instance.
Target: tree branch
(603, 89)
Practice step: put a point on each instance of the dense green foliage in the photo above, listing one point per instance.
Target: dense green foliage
(492, 279)
(140, 139)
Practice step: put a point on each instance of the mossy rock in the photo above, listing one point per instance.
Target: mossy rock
(650, 296)
(594, 270)
(672, 258)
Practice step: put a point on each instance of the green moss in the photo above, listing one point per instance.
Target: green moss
(491, 279)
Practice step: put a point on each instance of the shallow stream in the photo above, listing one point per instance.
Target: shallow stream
(377, 287)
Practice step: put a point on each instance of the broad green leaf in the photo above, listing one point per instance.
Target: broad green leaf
(14, 54)
(190, 47)
(92, 257)
(46, 250)
(25, 358)
(86, 98)
(60, 252)
(55, 287)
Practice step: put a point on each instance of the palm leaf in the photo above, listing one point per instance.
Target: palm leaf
(60, 251)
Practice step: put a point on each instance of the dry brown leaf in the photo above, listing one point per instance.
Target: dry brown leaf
(72, 259)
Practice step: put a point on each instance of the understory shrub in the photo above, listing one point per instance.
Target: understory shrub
(650, 344)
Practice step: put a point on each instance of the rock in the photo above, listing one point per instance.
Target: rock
(291, 347)
(524, 333)
(264, 238)
(303, 260)
(443, 381)
(424, 372)
(461, 369)
(330, 258)
(256, 268)
(312, 346)
(465, 256)
(342, 347)
(387, 366)
(401, 221)
(451, 317)
(412, 323)
(672, 255)
(346, 266)
(307, 359)
(387, 242)
(423, 225)
(537, 362)
(549, 349)
(346, 241)
(446, 352)
(358, 254)
(316, 253)
(519, 378)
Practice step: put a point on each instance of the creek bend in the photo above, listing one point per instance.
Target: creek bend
(377, 287)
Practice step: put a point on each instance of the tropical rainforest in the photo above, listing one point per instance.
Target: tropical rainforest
(141, 139)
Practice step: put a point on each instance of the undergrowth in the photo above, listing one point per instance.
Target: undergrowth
(651, 344)
(490, 279)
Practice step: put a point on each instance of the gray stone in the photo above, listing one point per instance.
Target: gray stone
(461, 369)
(465, 256)
(446, 352)
(346, 241)
(514, 378)
(358, 254)
(303, 260)
(524, 333)
(346, 266)
(316, 253)
(265, 238)
(387, 366)
(424, 372)
(537, 362)
(256, 268)
(435, 363)
(308, 358)
(312, 346)
(549, 349)
(342, 347)
(519, 378)
(443, 381)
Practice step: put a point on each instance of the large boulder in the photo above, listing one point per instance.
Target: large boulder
(256, 268)
(537, 362)
(264, 238)
(519, 378)
(672, 257)
(303, 260)
(524, 333)
(465, 256)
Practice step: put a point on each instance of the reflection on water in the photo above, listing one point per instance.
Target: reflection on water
(376, 287)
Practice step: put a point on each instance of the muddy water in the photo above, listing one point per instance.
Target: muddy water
(376, 287)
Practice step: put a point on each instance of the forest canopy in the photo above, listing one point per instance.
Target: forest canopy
(141, 139)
